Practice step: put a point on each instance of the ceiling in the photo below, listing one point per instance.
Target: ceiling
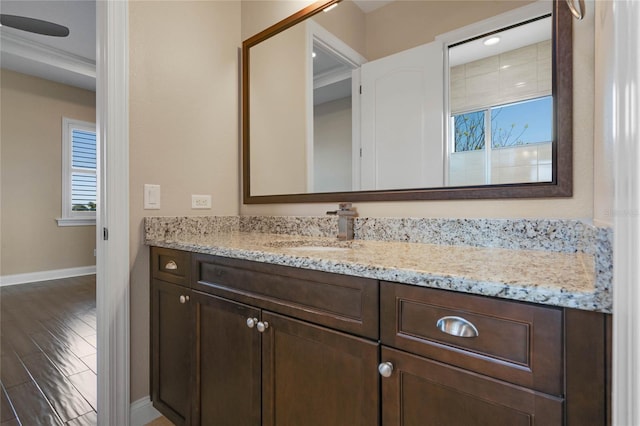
(510, 39)
(370, 5)
(69, 60)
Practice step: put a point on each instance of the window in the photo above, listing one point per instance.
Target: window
(522, 123)
(500, 128)
(515, 124)
(469, 131)
(79, 180)
(502, 144)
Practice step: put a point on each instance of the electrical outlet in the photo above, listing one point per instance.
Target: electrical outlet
(200, 201)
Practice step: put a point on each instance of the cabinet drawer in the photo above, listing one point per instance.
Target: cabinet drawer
(517, 342)
(341, 302)
(169, 265)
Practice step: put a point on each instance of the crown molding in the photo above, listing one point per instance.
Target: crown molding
(37, 52)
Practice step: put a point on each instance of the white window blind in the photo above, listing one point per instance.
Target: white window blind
(79, 181)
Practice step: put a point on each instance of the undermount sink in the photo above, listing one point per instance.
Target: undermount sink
(314, 245)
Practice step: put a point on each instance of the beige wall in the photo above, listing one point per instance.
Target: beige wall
(603, 155)
(258, 15)
(348, 23)
(332, 165)
(400, 25)
(183, 100)
(279, 107)
(31, 175)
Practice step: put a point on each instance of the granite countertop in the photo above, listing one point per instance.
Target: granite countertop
(544, 277)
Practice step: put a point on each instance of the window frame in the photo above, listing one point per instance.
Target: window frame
(488, 125)
(488, 147)
(69, 216)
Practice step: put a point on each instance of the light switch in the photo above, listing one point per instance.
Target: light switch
(151, 197)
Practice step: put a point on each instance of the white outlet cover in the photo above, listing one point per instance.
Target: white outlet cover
(200, 201)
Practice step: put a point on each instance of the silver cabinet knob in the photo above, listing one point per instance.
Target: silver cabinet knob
(171, 265)
(262, 326)
(457, 326)
(184, 299)
(385, 369)
(251, 322)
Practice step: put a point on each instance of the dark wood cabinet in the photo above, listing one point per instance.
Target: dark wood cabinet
(262, 345)
(424, 392)
(170, 350)
(315, 376)
(226, 360)
(519, 343)
(277, 370)
(501, 363)
(240, 343)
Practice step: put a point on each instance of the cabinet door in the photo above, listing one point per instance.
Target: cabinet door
(170, 349)
(316, 376)
(423, 392)
(226, 363)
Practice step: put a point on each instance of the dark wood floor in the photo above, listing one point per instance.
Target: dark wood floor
(48, 353)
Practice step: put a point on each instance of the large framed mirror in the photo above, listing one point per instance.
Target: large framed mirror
(409, 100)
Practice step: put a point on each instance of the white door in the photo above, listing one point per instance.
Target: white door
(402, 120)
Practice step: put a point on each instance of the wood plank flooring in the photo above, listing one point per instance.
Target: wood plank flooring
(48, 353)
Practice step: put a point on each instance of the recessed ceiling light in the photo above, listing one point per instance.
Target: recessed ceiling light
(491, 41)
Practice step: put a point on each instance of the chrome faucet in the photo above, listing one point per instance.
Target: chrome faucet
(345, 215)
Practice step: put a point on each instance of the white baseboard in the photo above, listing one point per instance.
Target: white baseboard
(55, 274)
(142, 412)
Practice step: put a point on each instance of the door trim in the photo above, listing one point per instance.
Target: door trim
(112, 288)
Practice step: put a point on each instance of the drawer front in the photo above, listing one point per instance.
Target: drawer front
(338, 301)
(517, 342)
(169, 265)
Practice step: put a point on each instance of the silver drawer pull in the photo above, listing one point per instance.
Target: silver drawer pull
(171, 265)
(184, 299)
(457, 326)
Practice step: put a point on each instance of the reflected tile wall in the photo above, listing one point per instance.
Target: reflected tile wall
(511, 76)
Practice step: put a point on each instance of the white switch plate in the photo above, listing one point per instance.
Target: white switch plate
(151, 197)
(200, 201)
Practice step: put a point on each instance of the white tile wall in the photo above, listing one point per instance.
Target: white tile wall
(512, 76)
(516, 164)
(467, 168)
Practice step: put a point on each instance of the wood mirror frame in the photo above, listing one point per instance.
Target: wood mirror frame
(561, 184)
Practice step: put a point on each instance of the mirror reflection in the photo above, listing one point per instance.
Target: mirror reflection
(501, 107)
(345, 102)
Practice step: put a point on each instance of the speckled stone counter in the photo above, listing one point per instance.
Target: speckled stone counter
(559, 263)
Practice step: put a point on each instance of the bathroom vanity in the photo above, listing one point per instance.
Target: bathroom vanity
(263, 329)
(270, 321)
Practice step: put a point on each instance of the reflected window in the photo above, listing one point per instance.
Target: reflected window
(519, 123)
(469, 131)
(501, 106)
(522, 123)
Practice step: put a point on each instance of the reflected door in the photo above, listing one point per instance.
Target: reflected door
(402, 120)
